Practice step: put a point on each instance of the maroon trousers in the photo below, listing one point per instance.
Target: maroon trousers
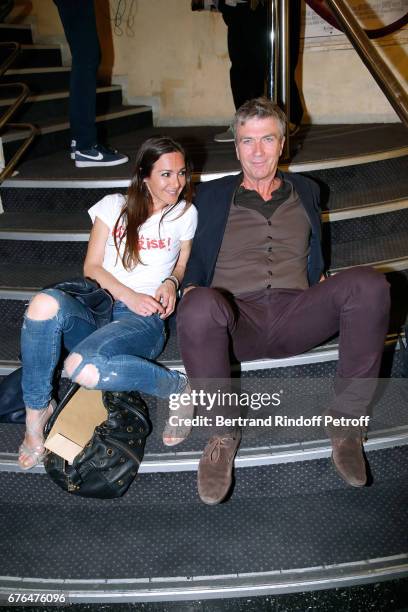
(284, 322)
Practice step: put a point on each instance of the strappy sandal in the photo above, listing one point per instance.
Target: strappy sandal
(34, 455)
(175, 434)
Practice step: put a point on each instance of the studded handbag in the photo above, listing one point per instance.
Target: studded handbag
(109, 462)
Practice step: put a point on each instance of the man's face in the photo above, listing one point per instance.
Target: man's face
(259, 145)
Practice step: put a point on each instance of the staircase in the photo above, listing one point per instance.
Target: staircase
(291, 524)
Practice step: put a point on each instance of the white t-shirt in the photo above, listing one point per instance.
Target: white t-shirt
(159, 243)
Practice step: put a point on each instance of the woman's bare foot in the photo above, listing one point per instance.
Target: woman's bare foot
(177, 432)
(31, 451)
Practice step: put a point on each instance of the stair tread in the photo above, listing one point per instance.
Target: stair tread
(48, 125)
(369, 250)
(210, 157)
(76, 222)
(58, 93)
(45, 222)
(313, 383)
(348, 254)
(281, 517)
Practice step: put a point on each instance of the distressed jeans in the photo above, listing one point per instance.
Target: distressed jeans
(121, 351)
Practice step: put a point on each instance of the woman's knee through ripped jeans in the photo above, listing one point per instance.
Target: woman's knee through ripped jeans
(114, 357)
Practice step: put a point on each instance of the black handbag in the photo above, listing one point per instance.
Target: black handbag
(99, 302)
(12, 409)
(110, 460)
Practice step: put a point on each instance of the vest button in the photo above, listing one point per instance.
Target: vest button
(269, 249)
(269, 286)
(270, 272)
(269, 222)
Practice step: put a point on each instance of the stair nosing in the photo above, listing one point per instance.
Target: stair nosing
(82, 235)
(39, 70)
(58, 95)
(28, 47)
(15, 26)
(320, 354)
(366, 210)
(187, 461)
(60, 127)
(395, 264)
(191, 587)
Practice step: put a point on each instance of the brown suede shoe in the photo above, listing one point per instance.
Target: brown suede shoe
(215, 467)
(347, 455)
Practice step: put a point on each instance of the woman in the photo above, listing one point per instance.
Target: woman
(138, 250)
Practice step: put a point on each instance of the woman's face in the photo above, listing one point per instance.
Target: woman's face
(167, 180)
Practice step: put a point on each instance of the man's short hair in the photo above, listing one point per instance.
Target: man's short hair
(259, 108)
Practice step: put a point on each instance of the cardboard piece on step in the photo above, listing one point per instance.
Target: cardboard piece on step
(76, 423)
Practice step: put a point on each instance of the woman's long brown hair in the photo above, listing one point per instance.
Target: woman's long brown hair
(139, 204)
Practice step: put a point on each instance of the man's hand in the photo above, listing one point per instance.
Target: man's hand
(322, 278)
(166, 296)
(141, 303)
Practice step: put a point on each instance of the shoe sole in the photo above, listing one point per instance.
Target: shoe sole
(356, 486)
(96, 164)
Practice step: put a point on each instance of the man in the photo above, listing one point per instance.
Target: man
(252, 287)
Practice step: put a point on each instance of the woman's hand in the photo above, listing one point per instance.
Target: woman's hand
(166, 295)
(141, 303)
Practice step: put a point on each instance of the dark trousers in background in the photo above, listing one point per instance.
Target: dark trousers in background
(248, 52)
(278, 323)
(78, 20)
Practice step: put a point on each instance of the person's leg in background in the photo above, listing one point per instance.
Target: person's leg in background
(248, 52)
(79, 23)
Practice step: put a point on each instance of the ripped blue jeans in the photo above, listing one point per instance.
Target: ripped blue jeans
(121, 351)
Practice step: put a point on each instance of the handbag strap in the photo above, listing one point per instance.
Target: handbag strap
(73, 388)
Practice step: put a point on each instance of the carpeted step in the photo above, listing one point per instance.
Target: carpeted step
(55, 134)
(16, 33)
(298, 515)
(36, 56)
(55, 105)
(49, 226)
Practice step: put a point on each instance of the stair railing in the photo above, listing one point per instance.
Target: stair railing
(384, 76)
(278, 77)
(6, 116)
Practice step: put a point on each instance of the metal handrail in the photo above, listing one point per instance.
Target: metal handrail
(278, 60)
(384, 76)
(25, 92)
(5, 173)
(10, 59)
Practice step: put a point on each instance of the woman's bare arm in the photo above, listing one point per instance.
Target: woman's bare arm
(141, 303)
(166, 292)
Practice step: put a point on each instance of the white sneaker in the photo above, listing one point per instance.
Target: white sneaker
(227, 136)
(99, 156)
